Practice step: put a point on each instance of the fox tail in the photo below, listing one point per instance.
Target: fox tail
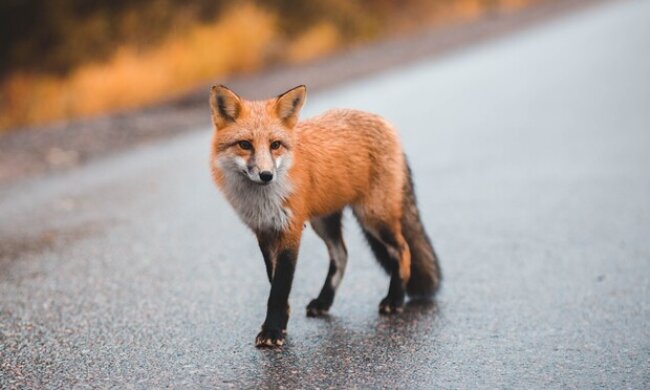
(425, 270)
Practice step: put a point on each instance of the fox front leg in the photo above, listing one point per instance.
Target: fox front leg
(268, 246)
(277, 312)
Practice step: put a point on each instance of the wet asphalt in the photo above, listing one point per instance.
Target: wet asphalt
(532, 166)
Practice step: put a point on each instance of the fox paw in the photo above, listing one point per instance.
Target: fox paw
(317, 308)
(270, 338)
(389, 306)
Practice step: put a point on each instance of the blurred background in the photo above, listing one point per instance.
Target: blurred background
(525, 123)
(65, 59)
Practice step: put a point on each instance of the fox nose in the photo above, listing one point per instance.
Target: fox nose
(266, 176)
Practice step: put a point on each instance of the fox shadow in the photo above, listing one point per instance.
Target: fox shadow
(381, 346)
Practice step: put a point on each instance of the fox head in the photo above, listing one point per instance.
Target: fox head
(254, 139)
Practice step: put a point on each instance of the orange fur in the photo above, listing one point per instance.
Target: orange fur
(340, 158)
(279, 173)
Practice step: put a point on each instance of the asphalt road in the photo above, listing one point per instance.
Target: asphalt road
(532, 165)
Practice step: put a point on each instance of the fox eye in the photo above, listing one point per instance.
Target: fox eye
(276, 145)
(245, 145)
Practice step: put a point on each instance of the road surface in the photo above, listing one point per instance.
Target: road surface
(532, 166)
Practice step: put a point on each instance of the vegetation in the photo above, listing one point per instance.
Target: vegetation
(62, 59)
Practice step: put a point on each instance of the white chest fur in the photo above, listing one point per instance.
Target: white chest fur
(261, 207)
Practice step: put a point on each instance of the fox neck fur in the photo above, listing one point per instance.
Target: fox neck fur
(261, 207)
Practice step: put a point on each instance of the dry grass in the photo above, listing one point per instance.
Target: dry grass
(320, 40)
(245, 38)
(236, 42)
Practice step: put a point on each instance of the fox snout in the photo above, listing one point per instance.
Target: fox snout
(261, 168)
(260, 176)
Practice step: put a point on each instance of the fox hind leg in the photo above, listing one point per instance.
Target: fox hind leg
(329, 229)
(392, 251)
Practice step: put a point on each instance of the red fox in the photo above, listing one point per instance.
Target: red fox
(278, 173)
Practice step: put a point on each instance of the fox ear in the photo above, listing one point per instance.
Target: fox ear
(288, 104)
(225, 105)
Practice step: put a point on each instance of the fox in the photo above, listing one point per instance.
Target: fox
(279, 173)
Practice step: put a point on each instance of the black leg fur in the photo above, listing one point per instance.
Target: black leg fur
(265, 246)
(380, 252)
(330, 230)
(394, 300)
(319, 306)
(277, 314)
